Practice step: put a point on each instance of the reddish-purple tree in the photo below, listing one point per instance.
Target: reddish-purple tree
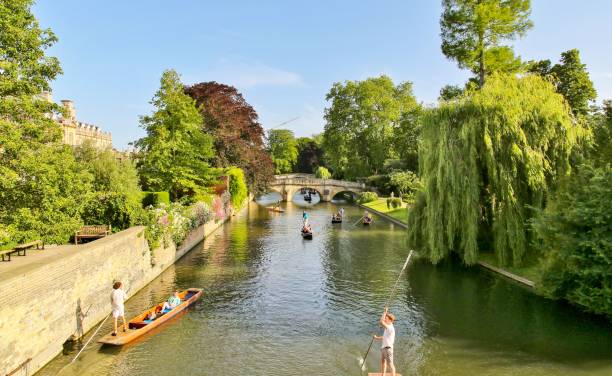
(235, 127)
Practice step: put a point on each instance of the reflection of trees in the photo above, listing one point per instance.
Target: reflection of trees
(474, 305)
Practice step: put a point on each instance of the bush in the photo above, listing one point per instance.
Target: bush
(155, 198)
(576, 234)
(322, 173)
(366, 197)
(379, 182)
(408, 198)
(111, 208)
(403, 181)
(237, 186)
(394, 202)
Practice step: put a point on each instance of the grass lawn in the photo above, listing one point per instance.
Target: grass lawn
(529, 270)
(401, 214)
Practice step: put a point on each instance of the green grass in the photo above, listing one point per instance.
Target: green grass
(380, 205)
(529, 270)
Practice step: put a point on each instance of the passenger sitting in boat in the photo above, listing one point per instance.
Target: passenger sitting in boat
(151, 316)
(307, 228)
(172, 302)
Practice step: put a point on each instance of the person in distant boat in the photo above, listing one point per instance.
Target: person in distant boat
(305, 218)
(118, 297)
(307, 228)
(388, 339)
(341, 212)
(172, 302)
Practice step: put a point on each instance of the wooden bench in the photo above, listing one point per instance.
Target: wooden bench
(92, 232)
(21, 248)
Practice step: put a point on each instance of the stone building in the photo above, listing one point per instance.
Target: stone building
(76, 132)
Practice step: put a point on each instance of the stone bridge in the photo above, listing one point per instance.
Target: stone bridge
(288, 184)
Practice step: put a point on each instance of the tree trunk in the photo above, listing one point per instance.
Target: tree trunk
(481, 73)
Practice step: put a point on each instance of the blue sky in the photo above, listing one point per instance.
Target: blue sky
(282, 55)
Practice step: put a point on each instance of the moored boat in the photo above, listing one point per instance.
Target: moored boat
(139, 325)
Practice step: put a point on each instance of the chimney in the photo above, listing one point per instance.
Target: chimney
(69, 108)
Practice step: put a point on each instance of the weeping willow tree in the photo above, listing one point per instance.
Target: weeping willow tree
(487, 160)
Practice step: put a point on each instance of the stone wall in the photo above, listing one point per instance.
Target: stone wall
(39, 309)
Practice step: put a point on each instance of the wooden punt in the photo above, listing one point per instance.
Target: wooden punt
(139, 325)
(366, 222)
(307, 235)
(336, 220)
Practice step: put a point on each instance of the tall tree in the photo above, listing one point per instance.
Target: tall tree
(364, 125)
(571, 78)
(472, 32)
(283, 149)
(174, 154)
(238, 135)
(486, 160)
(41, 186)
(310, 155)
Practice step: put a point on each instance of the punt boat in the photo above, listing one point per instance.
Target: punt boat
(139, 325)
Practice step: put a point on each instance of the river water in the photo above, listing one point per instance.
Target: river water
(275, 304)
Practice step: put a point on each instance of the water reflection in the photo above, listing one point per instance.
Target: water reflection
(277, 305)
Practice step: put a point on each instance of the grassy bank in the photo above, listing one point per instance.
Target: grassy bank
(380, 205)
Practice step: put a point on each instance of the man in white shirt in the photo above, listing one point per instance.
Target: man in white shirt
(388, 338)
(118, 297)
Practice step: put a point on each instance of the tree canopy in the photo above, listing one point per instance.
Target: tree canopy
(234, 125)
(174, 154)
(571, 79)
(486, 160)
(41, 186)
(310, 154)
(283, 150)
(368, 122)
(472, 32)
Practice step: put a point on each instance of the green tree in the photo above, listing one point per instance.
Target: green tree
(283, 150)
(41, 186)
(174, 154)
(571, 79)
(576, 234)
(367, 123)
(237, 186)
(322, 173)
(450, 92)
(601, 125)
(116, 196)
(485, 160)
(310, 154)
(472, 31)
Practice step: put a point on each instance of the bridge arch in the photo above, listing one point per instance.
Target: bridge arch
(287, 185)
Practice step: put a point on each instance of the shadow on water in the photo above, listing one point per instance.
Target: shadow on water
(486, 311)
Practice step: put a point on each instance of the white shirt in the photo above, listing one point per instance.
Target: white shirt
(118, 296)
(388, 337)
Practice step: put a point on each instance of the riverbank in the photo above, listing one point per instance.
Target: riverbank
(399, 216)
(45, 295)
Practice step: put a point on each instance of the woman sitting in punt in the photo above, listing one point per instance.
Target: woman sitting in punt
(172, 302)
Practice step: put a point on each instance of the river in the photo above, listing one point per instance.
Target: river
(275, 304)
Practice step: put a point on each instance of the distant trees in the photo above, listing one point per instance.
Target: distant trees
(367, 123)
(571, 80)
(174, 154)
(472, 32)
(283, 150)
(322, 173)
(310, 154)
(482, 176)
(234, 126)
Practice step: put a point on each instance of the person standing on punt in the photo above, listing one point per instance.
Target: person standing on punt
(305, 217)
(388, 339)
(118, 297)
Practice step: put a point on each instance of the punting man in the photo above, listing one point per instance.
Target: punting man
(388, 338)
(118, 297)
